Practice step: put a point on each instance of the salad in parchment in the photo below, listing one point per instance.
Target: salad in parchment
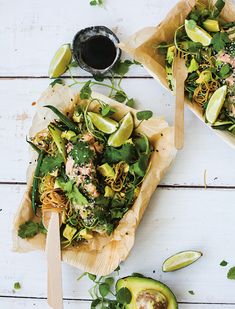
(208, 44)
(90, 169)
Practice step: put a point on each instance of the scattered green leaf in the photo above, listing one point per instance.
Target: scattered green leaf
(130, 102)
(17, 286)
(85, 92)
(107, 110)
(104, 289)
(191, 292)
(223, 263)
(219, 40)
(231, 273)
(144, 115)
(29, 229)
(51, 163)
(57, 81)
(120, 96)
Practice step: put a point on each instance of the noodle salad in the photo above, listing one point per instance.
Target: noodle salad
(90, 168)
(208, 44)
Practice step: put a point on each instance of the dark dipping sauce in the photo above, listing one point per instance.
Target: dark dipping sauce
(99, 52)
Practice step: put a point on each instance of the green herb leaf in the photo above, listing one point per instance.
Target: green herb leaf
(191, 24)
(122, 67)
(225, 70)
(17, 286)
(130, 102)
(109, 281)
(223, 263)
(124, 296)
(73, 64)
(81, 153)
(91, 277)
(126, 153)
(85, 92)
(144, 115)
(72, 192)
(28, 230)
(95, 303)
(231, 273)
(98, 78)
(51, 163)
(107, 110)
(219, 40)
(104, 289)
(120, 96)
(140, 167)
(57, 81)
(191, 292)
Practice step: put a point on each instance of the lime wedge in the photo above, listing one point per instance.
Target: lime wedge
(211, 25)
(104, 124)
(197, 34)
(180, 260)
(119, 137)
(215, 104)
(60, 61)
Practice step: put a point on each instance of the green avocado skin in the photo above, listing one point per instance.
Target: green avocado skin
(139, 284)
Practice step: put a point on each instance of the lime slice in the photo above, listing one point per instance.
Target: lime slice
(119, 137)
(104, 124)
(215, 104)
(197, 34)
(60, 61)
(180, 260)
(211, 25)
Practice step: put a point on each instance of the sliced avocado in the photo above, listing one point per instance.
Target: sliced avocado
(56, 135)
(86, 234)
(211, 25)
(69, 232)
(106, 170)
(205, 76)
(68, 135)
(193, 66)
(147, 291)
(170, 54)
(108, 192)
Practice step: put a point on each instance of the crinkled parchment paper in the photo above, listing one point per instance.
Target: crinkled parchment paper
(141, 47)
(102, 254)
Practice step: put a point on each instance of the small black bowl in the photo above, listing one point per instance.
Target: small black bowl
(95, 49)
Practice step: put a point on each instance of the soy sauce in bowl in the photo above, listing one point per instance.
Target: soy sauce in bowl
(95, 49)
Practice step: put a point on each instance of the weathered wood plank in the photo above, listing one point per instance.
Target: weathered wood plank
(203, 150)
(32, 37)
(176, 220)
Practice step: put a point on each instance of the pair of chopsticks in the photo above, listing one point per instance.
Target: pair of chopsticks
(180, 74)
(51, 220)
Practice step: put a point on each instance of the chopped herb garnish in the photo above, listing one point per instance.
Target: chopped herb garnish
(231, 273)
(17, 286)
(223, 263)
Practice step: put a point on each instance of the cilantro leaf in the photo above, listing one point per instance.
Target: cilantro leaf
(225, 71)
(231, 273)
(219, 40)
(29, 229)
(144, 115)
(104, 289)
(223, 263)
(126, 153)
(140, 167)
(51, 163)
(81, 153)
(85, 92)
(71, 191)
(57, 81)
(191, 292)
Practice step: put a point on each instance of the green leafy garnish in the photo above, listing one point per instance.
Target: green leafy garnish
(144, 115)
(225, 71)
(122, 67)
(82, 153)
(57, 81)
(124, 296)
(126, 153)
(29, 229)
(231, 273)
(85, 92)
(191, 292)
(51, 163)
(219, 40)
(107, 110)
(17, 286)
(120, 96)
(130, 102)
(72, 192)
(223, 263)
(140, 167)
(96, 2)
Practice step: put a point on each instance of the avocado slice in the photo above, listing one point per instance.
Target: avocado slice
(148, 292)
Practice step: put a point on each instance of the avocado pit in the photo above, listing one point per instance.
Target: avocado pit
(151, 299)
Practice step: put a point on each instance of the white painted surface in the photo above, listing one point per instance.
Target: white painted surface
(177, 219)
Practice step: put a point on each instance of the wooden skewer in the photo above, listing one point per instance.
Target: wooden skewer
(53, 253)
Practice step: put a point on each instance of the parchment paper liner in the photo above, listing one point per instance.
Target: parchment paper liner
(102, 254)
(141, 47)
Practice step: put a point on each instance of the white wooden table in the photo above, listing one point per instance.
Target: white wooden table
(182, 214)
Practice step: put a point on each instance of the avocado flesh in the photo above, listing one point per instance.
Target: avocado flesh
(139, 285)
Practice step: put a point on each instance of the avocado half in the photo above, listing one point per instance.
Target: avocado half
(147, 293)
